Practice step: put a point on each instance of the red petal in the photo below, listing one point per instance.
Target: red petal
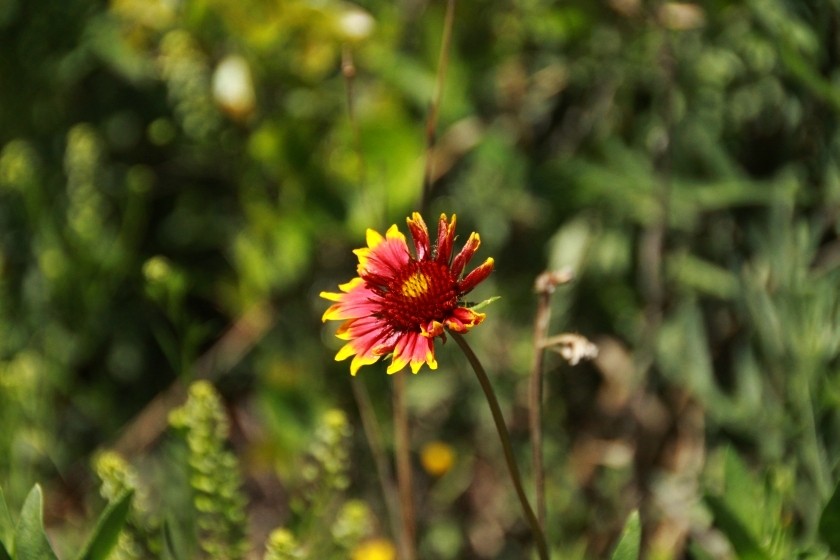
(369, 338)
(446, 238)
(415, 349)
(475, 277)
(462, 258)
(384, 257)
(420, 235)
(463, 319)
(355, 301)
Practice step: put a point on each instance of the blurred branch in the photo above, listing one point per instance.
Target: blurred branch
(228, 351)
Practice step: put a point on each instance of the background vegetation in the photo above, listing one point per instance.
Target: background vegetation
(179, 180)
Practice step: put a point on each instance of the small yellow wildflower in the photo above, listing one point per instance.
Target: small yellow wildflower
(437, 458)
(375, 549)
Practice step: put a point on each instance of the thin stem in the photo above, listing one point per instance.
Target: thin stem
(403, 457)
(544, 286)
(431, 120)
(501, 428)
(377, 449)
(535, 393)
(348, 70)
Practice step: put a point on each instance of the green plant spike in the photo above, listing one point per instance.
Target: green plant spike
(214, 474)
(108, 528)
(631, 539)
(30, 539)
(829, 527)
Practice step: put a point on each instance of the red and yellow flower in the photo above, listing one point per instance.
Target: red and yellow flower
(400, 302)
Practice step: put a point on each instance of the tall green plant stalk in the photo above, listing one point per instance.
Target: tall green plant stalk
(501, 429)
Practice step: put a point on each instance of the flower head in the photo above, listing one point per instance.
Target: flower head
(400, 302)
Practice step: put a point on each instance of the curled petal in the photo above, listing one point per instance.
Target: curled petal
(464, 256)
(463, 319)
(446, 238)
(478, 275)
(433, 329)
(420, 235)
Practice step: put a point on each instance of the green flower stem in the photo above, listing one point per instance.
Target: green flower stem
(501, 428)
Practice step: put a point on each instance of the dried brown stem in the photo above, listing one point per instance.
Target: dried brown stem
(404, 475)
(535, 392)
(544, 286)
(373, 435)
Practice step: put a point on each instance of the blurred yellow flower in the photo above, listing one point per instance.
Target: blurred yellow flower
(437, 458)
(375, 549)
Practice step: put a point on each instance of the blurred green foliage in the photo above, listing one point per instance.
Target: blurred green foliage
(179, 180)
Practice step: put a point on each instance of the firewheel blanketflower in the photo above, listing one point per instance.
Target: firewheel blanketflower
(400, 302)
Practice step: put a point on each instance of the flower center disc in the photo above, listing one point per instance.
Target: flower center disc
(422, 292)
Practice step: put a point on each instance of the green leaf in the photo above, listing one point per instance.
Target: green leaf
(745, 544)
(485, 303)
(30, 539)
(4, 555)
(108, 527)
(630, 541)
(830, 522)
(7, 526)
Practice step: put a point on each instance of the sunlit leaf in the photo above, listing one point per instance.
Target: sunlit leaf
(107, 531)
(631, 539)
(30, 539)
(485, 303)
